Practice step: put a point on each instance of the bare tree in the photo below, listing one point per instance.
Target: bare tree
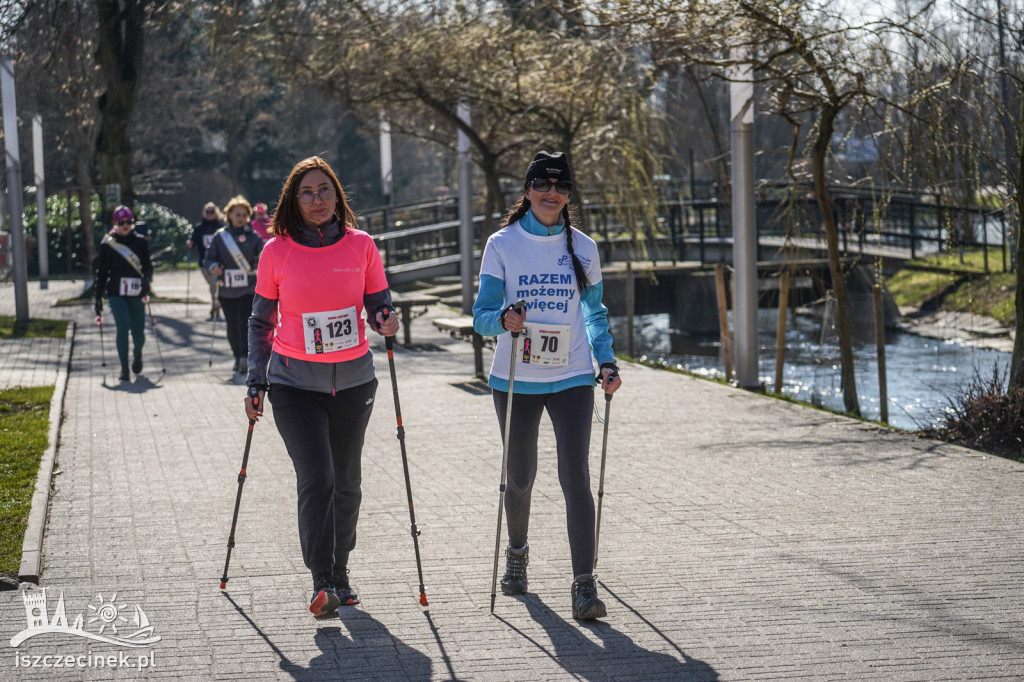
(63, 86)
(120, 48)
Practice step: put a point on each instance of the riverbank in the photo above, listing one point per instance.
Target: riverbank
(973, 330)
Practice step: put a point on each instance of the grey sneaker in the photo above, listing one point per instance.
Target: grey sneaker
(516, 561)
(585, 604)
(346, 595)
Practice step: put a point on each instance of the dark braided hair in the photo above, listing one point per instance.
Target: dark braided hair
(519, 210)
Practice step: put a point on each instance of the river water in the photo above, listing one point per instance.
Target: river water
(923, 374)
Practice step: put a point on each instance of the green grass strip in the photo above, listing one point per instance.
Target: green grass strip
(33, 329)
(24, 424)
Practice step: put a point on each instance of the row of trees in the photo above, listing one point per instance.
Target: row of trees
(901, 97)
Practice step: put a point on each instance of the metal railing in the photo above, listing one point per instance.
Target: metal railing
(686, 229)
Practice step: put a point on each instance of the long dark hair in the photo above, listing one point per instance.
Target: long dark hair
(287, 216)
(519, 209)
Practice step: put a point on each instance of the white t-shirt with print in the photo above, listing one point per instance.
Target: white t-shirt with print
(538, 269)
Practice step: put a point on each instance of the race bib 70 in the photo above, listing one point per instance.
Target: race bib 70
(546, 344)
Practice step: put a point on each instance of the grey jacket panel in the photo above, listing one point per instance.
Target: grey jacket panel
(251, 246)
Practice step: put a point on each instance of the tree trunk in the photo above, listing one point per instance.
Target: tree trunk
(83, 142)
(119, 53)
(1017, 359)
(494, 200)
(821, 193)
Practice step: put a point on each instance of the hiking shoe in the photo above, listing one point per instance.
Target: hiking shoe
(346, 595)
(514, 580)
(124, 374)
(137, 363)
(325, 600)
(585, 604)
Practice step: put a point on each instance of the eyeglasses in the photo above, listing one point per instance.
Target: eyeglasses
(544, 185)
(124, 222)
(307, 196)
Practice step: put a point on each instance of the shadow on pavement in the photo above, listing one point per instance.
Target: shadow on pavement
(440, 645)
(618, 658)
(369, 651)
(140, 385)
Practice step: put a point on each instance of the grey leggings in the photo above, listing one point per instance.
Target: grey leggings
(570, 412)
(324, 438)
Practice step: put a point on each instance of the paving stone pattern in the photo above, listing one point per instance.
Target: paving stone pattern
(742, 537)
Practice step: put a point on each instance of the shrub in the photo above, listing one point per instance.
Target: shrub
(985, 417)
(168, 232)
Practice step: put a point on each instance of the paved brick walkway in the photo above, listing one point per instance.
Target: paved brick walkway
(742, 537)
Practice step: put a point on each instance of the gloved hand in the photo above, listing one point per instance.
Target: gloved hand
(99, 306)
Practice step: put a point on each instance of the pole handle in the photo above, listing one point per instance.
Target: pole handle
(518, 307)
(389, 341)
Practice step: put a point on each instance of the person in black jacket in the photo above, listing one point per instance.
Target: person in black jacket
(123, 271)
(199, 241)
(232, 256)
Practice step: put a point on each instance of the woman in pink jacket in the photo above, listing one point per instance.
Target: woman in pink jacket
(319, 285)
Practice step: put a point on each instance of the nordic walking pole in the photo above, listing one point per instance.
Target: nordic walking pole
(152, 323)
(604, 451)
(103, 351)
(238, 496)
(389, 343)
(518, 307)
(213, 327)
(188, 280)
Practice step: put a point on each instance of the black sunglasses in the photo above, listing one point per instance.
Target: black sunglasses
(544, 185)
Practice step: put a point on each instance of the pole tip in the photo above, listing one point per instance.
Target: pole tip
(423, 599)
(223, 584)
(493, 595)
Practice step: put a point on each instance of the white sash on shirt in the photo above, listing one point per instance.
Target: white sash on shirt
(125, 252)
(235, 253)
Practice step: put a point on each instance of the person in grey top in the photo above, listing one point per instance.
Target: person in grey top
(232, 257)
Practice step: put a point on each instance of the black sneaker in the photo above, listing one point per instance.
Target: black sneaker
(137, 363)
(346, 595)
(124, 374)
(325, 600)
(516, 560)
(585, 604)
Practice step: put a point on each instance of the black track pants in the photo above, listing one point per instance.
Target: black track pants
(236, 319)
(570, 412)
(324, 437)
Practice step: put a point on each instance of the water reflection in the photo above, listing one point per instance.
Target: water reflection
(923, 374)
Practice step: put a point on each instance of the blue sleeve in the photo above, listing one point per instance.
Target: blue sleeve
(490, 301)
(596, 316)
